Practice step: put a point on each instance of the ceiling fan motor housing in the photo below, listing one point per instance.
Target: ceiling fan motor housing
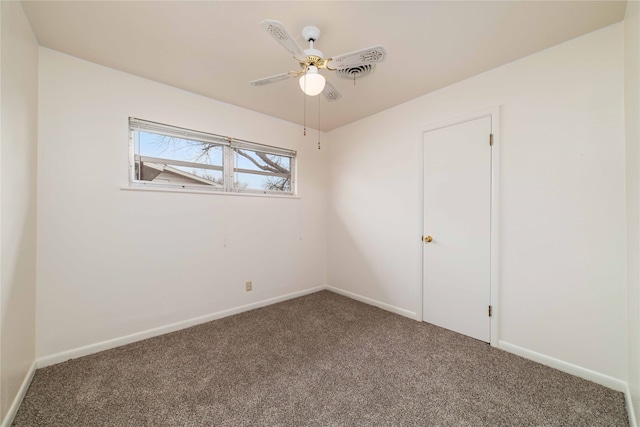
(314, 56)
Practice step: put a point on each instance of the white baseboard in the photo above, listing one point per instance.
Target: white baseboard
(382, 305)
(150, 333)
(630, 410)
(561, 365)
(13, 409)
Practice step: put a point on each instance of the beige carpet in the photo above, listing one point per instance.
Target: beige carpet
(320, 360)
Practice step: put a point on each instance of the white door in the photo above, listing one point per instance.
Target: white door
(457, 217)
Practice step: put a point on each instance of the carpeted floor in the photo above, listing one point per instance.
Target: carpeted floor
(321, 360)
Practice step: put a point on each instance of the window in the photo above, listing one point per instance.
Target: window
(163, 155)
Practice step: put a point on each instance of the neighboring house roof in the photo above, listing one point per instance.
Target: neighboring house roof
(163, 173)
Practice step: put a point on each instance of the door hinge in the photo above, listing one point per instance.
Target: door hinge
(490, 139)
(490, 311)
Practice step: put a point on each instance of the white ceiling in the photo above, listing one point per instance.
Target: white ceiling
(214, 48)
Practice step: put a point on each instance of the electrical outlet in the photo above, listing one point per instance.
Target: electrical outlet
(249, 286)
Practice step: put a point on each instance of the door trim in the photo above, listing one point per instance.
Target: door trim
(494, 278)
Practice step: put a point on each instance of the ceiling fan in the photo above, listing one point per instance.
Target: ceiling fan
(311, 60)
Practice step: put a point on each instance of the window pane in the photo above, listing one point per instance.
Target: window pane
(172, 160)
(261, 171)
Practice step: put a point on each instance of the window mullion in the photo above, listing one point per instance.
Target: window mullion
(228, 168)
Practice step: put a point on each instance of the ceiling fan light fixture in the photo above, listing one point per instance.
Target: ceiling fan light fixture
(312, 83)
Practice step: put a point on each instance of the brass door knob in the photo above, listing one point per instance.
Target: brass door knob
(428, 239)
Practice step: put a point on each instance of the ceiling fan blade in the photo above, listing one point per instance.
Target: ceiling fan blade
(274, 79)
(330, 92)
(370, 55)
(282, 36)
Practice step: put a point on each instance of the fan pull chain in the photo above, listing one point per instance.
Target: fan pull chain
(304, 109)
(318, 122)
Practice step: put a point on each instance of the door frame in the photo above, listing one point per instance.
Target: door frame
(494, 279)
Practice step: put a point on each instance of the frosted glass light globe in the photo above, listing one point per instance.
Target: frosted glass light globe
(312, 83)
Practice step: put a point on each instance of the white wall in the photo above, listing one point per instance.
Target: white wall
(112, 262)
(562, 215)
(18, 139)
(632, 127)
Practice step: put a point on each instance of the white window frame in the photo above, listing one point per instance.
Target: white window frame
(229, 171)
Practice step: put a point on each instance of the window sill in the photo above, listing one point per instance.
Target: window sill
(213, 193)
